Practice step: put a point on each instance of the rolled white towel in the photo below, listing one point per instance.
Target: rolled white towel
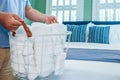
(53, 45)
(44, 55)
(60, 39)
(59, 63)
(22, 52)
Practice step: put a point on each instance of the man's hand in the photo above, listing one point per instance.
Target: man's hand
(51, 19)
(10, 21)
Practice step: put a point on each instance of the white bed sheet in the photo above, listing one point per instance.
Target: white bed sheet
(92, 45)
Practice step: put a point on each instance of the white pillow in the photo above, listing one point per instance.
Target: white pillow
(87, 30)
(114, 36)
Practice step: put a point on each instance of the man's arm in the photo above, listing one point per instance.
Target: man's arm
(1, 17)
(37, 16)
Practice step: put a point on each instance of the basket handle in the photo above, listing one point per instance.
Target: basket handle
(27, 30)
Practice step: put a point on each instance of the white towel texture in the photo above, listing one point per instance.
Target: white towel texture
(40, 55)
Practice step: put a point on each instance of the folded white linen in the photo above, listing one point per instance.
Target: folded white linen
(92, 45)
(22, 53)
(42, 54)
(59, 63)
(58, 28)
(52, 42)
(43, 49)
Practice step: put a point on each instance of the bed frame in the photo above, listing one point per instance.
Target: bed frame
(95, 22)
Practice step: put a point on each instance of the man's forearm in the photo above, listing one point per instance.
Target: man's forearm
(1, 16)
(35, 15)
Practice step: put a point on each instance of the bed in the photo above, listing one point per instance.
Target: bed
(92, 51)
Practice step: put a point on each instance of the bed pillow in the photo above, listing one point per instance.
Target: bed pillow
(78, 32)
(114, 34)
(99, 34)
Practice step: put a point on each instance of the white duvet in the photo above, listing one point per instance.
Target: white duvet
(86, 45)
(40, 55)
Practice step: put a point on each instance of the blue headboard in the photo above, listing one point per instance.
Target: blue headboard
(95, 22)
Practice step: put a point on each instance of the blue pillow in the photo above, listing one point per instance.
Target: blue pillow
(99, 34)
(78, 32)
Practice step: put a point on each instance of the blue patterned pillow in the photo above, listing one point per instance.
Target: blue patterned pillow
(99, 34)
(78, 32)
